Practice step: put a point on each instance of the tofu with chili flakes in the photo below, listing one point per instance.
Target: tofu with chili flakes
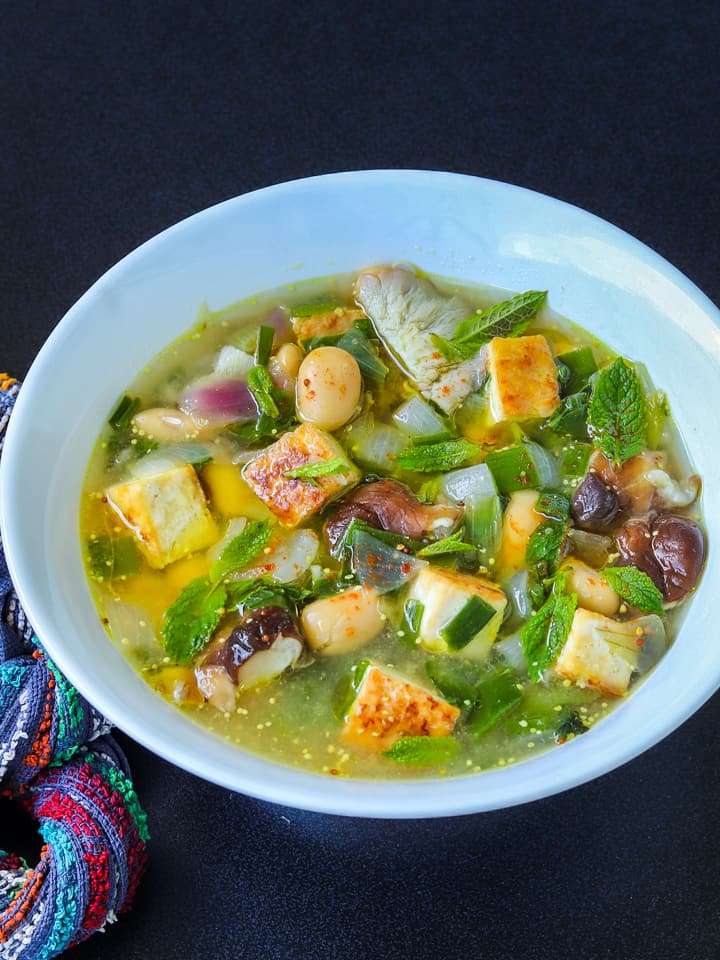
(329, 324)
(167, 513)
(599, 652)
(523, 378)
(292, 500)
(388, 707)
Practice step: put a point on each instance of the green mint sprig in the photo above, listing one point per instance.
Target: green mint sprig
(616, 413)
(634, 587)
(545, 633)
(194, 615)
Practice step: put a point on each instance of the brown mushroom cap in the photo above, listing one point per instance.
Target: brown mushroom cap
(679, 548)
(388, 505)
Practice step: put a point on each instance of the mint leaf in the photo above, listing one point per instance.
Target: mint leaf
(634, 587)
(507, 319)
(241, 550)
(546, 631)
(454, 353)
(323, 468)
(436, 457)
(544, 546)
(192, 619)
(262, 388)
(453, 544)
(423, 751)
(616, 413)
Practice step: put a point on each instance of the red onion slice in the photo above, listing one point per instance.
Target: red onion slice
(218, 402)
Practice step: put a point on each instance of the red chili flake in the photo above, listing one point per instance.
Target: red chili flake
(334, 772)
(405, 568)
(640, 641)
(306, 381)
(561, 740)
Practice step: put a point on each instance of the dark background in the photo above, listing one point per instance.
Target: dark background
(117, 120)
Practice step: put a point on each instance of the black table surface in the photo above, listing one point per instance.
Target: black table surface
(120, 119)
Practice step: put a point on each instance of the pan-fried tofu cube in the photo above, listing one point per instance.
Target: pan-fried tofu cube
(167, 513)
(444, 625)
(388, 707)
(523, 378)
(599, 652)
(293, 500)
(327, 324)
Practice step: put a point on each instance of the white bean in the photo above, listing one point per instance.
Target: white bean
(344, 622)
(328, 387)
(165, 424)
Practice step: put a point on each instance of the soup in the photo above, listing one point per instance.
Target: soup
(385, 525)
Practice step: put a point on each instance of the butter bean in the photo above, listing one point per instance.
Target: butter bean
(165, 424)
(328, 387)
(344, 622)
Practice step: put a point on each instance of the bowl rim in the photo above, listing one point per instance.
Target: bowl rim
(310, 791)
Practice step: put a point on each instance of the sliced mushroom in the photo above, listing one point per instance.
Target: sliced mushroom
(259, 648)
(679, 548)
(669, 549)
(634, 542)
(594, 504)
(630, 480)
(390, 505)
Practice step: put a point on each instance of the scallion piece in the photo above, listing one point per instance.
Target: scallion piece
(263, 347)
(417, 419)
(124, 411)
(382, 567)
(315, 309)
(412, 618)
(574, 460)
(357, 345)
(499, 693)
(467, 623)
(526, 466)
(581, 364)
(483, 525)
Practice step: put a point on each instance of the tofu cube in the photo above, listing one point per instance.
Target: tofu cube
(388, 707)
(443, 594)
(523, 378)
(167, 513)
(599, 652)
(593, 591)
(291, 500)
(520, 521)
(328, 324)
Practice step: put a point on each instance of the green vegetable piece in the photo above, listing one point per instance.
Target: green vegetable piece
(513, 469)
(323, 468)
(581, 364)
(507, 319)
(357, 344)
(109, 559)
(264, 592)
(379, 565)
(563, 375)
(499, 693)
(241, 550)
(545, 545)
(574, 460)
(452, 544)
(436, 457)
(616, 413)
(356, 527)
(452, 352)
(570, 725)
(315, 309)
(657, 410)
(412, 617)
(467, 623)
(192, 619)
(553, 505)
(263, 347)
(459, 681)
(347, 689)
(570, 418)
(546, 631)
(262, 389)
(124, 411)
(423, 751)
(635, 587)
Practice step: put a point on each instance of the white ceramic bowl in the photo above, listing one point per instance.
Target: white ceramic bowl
(471, 229)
